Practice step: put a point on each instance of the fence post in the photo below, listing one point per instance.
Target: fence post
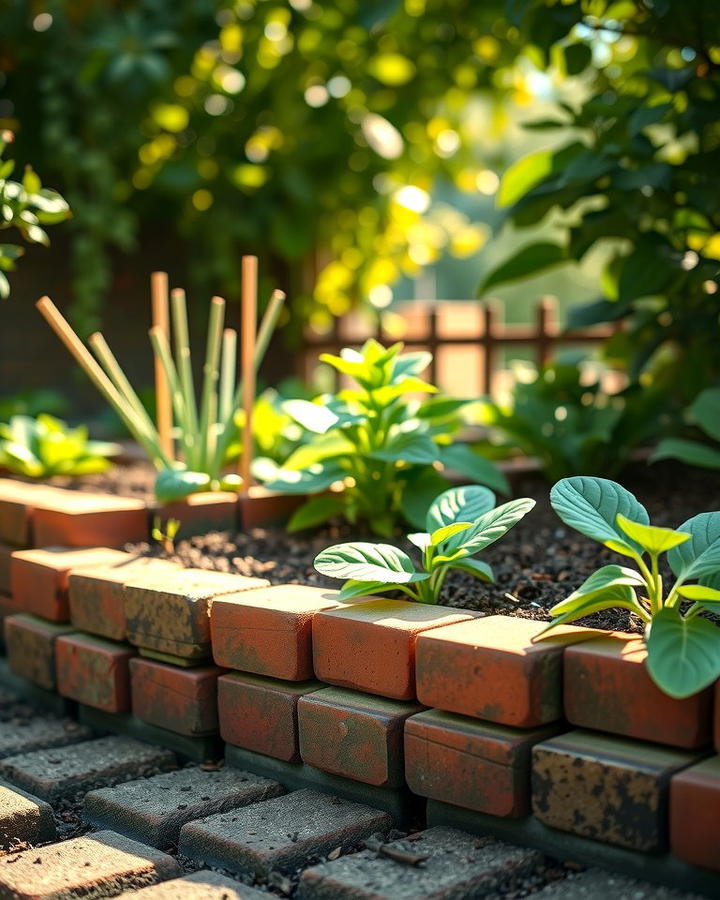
(492, 319)
(547, 328)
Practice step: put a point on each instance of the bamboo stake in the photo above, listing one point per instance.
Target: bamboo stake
(209, 405)
(161, 349)
(247, 361)
(163, 400)
(228, 366)
(184, 365)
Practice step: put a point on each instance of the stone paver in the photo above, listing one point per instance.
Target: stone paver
(55, 773)
(282, 834)
(594, 884)
(154, 810)
(458, 866)
(203, 885)
(24, 735)
(97, 865)
(24, 818)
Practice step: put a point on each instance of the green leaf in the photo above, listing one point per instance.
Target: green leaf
(447, 531)
(465, 504)
(683, 654)
(352, 589)
(591, 506)
(523, 175)
(363, 561)
(577, 58)
(420, 539)
(175, 484)
(490, 527)
(409, 447)
(577, 606)
(691, 452)
(308, 481)
(312, 416)
(421, 487)
(440, 408)
(316, 511)
(700, 556)
(4, 286)
(651, 538)
(475, 567)
(528, 261)
(463, 459)
(319, 449)
(707, 597)
(705, 410)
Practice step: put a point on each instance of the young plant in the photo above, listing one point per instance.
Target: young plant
(42, 447)
(460, 523)
(683, 646)
(166, 533)
(380, 442)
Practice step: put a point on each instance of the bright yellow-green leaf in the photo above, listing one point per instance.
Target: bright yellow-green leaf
(653, 539)
(699, 593)
(523, 175)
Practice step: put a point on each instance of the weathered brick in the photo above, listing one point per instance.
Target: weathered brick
(269, 631)
(608, 688)
(8, 607)
(354, 735)
(17, 499)
(200, 513)
(96, 595)
(24, 819)
(23, 735)
(203, 885)
(94, 671)
(30, 647)
(260, 714)
(606, 788)
(371, 646)
(6, 552)
(170, 612)
(155, 809)
(281, 834)
(62, 771)
(40, 577)
(489, 668)
(181, 700)
(695, 813)
(472, 764)
(454, 865)
(263, 508)
(96, 865)
(79, 519)
(597, 884)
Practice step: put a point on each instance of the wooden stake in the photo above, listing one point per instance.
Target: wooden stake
(247, 361)
(163, 401)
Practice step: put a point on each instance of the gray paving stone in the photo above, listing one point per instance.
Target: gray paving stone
(458, 867)
(24, 819)
(282, 834)
(50, 774)
(203, 885)
(24, 735)
(595, 884)
(94, 866)
(153, 810)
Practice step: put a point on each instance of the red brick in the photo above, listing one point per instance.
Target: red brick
(17, 500)
(354, 735)
(200, 513)
(94, 671)
(5, 556)
(695, 813)
(608, 688)
(489, 668)
(170, 612)
(96, 596)
(470, 764)
(181, 700)
(30, 647)
(78, 519)
(8, 607)
(263, 507)
(260, 714)
(40, 577)
(269, 631)
(371, 646)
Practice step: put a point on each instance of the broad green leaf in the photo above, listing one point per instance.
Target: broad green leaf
(408, 447)
(308, 481)
(523, 175)
(316, 511)
(447, 531)
(319, 449)
(363, 561)
(352, 589)
(705, 410)
(616, 597)
(700, 556)
(708, 597)
(465, 504)
(605, 577)
(528, 261)
(440, 408)
(353, 366)
(591, 506)
(463, 459)
(651, 538)
(312, 416)
(691, 452)
(420, 539)
(475, 567)
(683, 654)
(175, 484)
(489, 528)
(383, 396)
(410, 364)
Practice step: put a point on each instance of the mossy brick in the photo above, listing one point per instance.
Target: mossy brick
(609, 789)
(94, 671)
(200, 513)
(371, 646)
(453, 866)
(181, 700)
(96, 596)
(354, 735)
(202, 885)
(170, 612)
(30, 648)
(6, 552)
(281, 834)
(95, 865)
(24, 735)
(39, 577)
(608, 688)
(24, 819)
(260, 714)
(472, 764)
(79, 519)
(695, 814)
(269, 631)
(63, 771)
(491, 668)
(153, 810)
(262, 508)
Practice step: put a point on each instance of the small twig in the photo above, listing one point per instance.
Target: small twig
(404, 857)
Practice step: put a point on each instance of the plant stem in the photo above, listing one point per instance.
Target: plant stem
(161, 348)
(184, 366)
(657, 599)
(208, 415)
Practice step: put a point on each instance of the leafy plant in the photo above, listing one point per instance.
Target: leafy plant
(276, 435)
(459, 524)
(166, 533)
(45, 446)
(27, 206)
(683, 646)
(383, 445)
(705, 413)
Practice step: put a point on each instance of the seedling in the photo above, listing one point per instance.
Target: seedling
(460, 523)
(165, 534)
(683, 646)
